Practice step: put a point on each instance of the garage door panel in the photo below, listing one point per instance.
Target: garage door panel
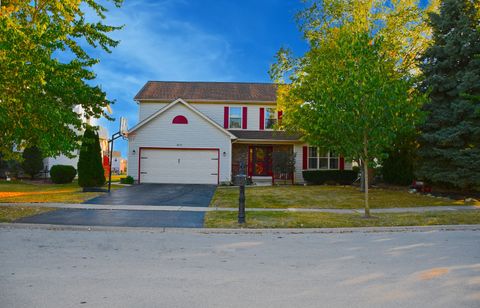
(179, 166)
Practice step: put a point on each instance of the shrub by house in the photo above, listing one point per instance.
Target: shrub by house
(62, 174)
(319, 177)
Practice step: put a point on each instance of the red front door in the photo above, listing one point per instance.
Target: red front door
(260, 160)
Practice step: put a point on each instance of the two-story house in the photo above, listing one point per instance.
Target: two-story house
(202, 132)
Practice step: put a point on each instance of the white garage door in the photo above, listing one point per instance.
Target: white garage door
(179, 166)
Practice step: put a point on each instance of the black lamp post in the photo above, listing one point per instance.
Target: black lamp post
(240, 180)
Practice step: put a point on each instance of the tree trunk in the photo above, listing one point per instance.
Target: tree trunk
(362, 177)
(365, 172)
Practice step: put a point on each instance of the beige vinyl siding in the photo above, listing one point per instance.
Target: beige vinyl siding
(147, 109)
(198, 133)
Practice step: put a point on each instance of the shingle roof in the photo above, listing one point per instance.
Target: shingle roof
(208, 91)
(265, 135)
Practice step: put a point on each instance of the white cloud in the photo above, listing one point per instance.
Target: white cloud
(157, 45)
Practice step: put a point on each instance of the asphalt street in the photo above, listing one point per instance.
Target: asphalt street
(201, 268)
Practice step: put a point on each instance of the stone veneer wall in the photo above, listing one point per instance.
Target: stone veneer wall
(239, 154)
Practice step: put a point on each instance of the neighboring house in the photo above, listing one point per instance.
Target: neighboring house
(49, 162)
(201, 132)
(119, 164)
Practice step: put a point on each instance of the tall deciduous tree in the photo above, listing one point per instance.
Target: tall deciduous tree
(450, 140)
(45, 72)
(402, 24)
(348, 93)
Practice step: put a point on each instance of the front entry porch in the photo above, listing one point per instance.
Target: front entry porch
(264, 163)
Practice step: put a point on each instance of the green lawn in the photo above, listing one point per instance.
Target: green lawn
(19, 191)
(338, 197)
(116, 177)
(12, 213)
(331, 220)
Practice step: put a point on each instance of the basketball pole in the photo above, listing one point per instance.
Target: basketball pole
(120, 133)
(114, 136)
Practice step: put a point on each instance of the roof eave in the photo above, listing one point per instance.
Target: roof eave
(192, 100)
(243, 140)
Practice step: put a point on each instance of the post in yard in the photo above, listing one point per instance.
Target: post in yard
(240, 180)
(241, 204)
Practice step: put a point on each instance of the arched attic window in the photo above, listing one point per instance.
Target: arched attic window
(179, 119)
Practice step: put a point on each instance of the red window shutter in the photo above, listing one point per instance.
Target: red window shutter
(305, 158)
(225, 117)
(262, 118)
(341, 165)
(280, 114)
(244, 117)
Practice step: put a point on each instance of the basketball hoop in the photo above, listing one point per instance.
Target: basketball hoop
(123, 127)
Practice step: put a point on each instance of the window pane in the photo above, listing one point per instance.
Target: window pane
(312, 152)
(312, 163)
(270, 113)
(270, 117)
(235, 112)
(323, 154)
(333, 163)
(235, 117)
(323, 163)
(270, 123)
(235, 123)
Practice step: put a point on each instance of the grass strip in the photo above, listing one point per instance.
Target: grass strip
(334, 197)
(12, 213)
(332, 220)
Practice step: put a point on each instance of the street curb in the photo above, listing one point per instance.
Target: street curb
(241, 230)
(183, 208)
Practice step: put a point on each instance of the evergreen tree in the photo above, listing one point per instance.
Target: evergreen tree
(450, 141)
(90, 169)
(32, 162)
(398, 167)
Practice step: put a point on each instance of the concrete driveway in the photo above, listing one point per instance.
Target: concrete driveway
(159, 194)
(144, 194)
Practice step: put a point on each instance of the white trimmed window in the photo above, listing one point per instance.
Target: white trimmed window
(321, 160)
(270, 118)
(235, 117)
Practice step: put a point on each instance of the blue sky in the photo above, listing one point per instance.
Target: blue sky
(197, 40)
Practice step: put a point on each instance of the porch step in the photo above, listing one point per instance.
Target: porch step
(262, 180)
